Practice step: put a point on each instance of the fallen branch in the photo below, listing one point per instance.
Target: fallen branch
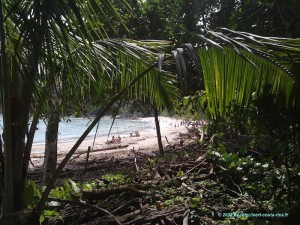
(186, 217)
(124, 218)
(102, 149)
(155, 217)
(110, 148)
(238, 187)
(184, 185)
(83, 204)
(191, 170)
(135, 164)
(205, 177)
(100, 194)
(84, 152)
(135, 160)
(120, 208)
(130, 215)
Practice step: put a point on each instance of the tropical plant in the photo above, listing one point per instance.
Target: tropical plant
(42, 39)
(239, 68)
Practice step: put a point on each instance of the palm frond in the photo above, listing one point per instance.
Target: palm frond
(246, 67)
(229, 80)
(131, 58)
(283, 52)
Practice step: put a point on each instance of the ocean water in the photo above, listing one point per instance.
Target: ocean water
(72, 128)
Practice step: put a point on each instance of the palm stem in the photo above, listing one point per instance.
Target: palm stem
(8, 201)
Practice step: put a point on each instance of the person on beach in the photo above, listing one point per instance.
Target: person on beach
(137, 134)
(113, 140)
(119, 139)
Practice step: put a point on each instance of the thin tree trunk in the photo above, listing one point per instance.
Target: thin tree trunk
(29, 142)
(50, 159)
(160, 146)
(20, 118)
(8, 188)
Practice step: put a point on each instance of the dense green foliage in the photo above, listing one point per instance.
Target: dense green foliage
(246, 85)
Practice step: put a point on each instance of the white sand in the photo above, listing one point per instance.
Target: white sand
(147, 141)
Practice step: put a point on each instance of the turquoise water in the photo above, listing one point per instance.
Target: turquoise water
(72, 128)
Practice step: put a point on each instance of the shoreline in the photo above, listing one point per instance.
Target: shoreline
(71, 129)
(113, 133)
(146, 142)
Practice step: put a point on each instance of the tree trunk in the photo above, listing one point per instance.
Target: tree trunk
(16, 104)
(15, 116)
(30, 137)
(8, 187)
(160, 146)
(50, 159)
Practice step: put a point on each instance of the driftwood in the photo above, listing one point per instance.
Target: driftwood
(84, 152)
(101, 194)
(101, 149)
(110, 148)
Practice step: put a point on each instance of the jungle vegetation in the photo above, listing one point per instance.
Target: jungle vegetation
(237, 63)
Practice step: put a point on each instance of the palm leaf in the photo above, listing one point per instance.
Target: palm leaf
(240, 70)
(230, 79)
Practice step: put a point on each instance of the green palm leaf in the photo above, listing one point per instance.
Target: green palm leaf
(246, 68)
(230, 79)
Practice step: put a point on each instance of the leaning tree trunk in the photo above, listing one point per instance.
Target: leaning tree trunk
(160, 146)
(30, 137)
(50, 159)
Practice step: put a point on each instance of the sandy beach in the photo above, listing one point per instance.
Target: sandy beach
(146, 142)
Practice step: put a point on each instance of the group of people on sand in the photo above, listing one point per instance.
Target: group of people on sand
(117, 140)
(114, 140)
(135, 135)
